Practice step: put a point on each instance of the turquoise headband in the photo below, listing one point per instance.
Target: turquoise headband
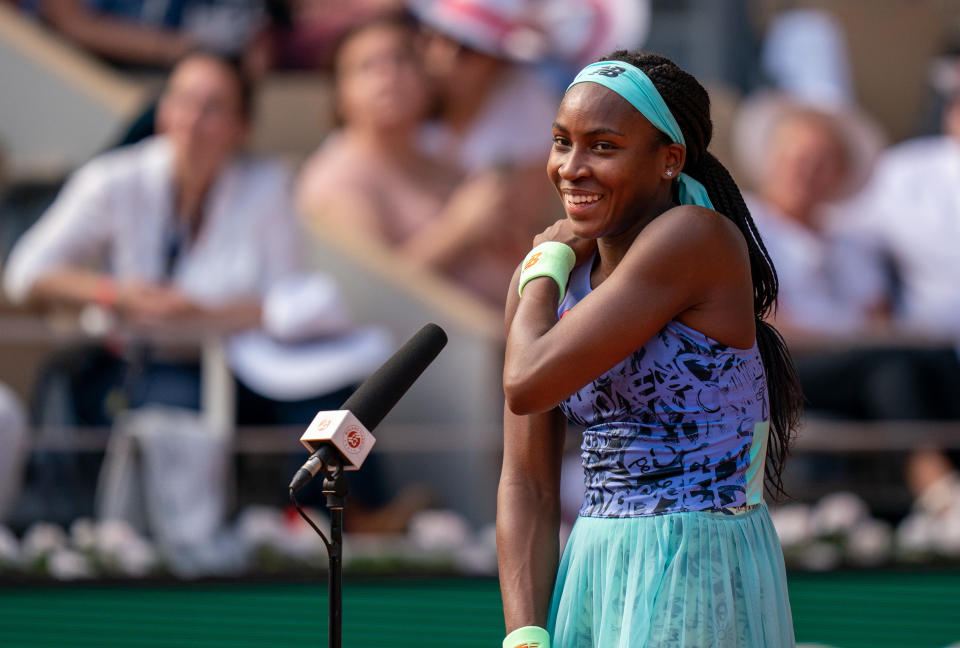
(636, 87)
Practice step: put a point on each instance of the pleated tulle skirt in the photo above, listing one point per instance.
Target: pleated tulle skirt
(690, 580)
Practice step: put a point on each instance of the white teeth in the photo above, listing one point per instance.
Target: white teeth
(582, 199)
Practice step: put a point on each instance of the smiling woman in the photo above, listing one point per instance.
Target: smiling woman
(656, 343)
(180, 231)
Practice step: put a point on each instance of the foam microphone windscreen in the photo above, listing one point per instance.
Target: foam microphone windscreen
(381, 391)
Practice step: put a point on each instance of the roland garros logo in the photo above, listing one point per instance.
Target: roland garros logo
(354, 438)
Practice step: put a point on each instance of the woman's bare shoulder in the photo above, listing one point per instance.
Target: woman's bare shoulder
(692, 226)
(690, 241)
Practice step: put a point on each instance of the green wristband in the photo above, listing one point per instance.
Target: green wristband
(549, 259)
(527, 637)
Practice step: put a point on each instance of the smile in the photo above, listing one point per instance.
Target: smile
(582, 199)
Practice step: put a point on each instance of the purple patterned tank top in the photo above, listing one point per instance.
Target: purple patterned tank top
(680, 425)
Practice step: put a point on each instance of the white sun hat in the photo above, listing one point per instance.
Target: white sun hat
(578, 31)
(499, 28)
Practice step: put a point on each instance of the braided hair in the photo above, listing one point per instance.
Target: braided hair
(690, 105)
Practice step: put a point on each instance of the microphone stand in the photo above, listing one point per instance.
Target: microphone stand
(335, 488)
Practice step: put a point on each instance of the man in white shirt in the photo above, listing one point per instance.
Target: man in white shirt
(913, 211)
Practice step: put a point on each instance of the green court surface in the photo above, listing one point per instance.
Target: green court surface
(846, 610)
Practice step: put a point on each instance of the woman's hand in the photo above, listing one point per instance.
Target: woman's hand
(561, 232)
(150, 304)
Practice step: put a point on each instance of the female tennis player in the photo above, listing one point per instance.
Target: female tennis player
(640, 316)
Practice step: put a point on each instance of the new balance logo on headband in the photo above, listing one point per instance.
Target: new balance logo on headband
(609, 71)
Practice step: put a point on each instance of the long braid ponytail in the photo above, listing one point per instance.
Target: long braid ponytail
(690, 105)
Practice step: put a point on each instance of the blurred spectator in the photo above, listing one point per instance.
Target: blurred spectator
(492, 125)
(912, 210)
(832, 248)
(369, 176)
(807, 165)
(182, 230)
(371, 179)
(157, 34)
(177, 236)
(803, 162)
(490, 103)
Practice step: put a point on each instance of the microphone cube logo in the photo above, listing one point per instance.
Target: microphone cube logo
(354, 438)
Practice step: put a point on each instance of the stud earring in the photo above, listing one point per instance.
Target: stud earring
(669, 173)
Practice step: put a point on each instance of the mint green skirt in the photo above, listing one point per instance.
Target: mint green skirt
(675, 580)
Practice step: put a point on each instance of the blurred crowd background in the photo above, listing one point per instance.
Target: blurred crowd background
(218, 216)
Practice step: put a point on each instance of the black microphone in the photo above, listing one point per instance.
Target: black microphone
(345, 433)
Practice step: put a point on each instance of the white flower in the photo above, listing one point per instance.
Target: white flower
(9, 547)
(137, 560)
(438, 530)
(948, 535)
(83, 534)
(917, 533)
(266, 527)
(67, 564)
(123, 549)
(42, 539)
(113, 535)
(261, 526)
(479, 556)
(793, 524)
(838, 513)
(476, 559)
(870, 542)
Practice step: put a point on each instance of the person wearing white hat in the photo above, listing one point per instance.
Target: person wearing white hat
(803, 161)
(492, 123)
(833, 268)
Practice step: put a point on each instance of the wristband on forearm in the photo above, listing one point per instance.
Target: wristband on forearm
(549, 259)
(527, 637)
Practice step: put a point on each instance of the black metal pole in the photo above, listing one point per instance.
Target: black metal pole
(335, 488)
(336, 578)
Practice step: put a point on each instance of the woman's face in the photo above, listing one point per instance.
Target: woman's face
(201, 113)
(379, 79)
(807, 165)
(608, 163)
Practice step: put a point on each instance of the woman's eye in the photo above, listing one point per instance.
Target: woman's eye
(561, 141)
(604, 146)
